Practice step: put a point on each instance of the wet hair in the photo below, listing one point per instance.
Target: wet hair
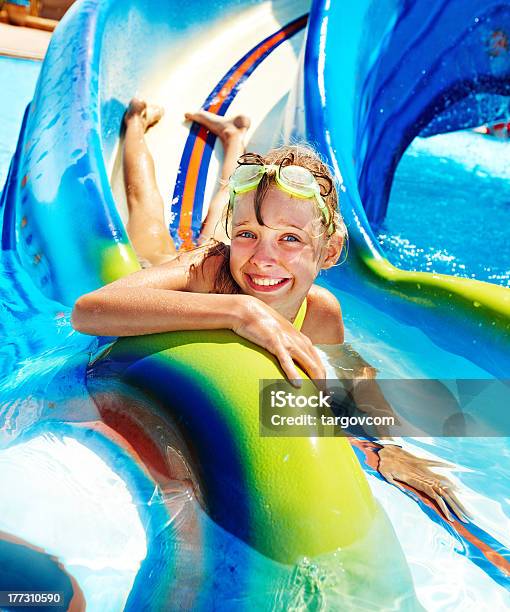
(296, 154)
(224, 281)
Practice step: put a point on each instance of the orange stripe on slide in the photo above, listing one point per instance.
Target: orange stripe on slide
(188, 194)
(237, 75)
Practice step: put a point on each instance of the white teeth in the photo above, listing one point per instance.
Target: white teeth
(266, 282)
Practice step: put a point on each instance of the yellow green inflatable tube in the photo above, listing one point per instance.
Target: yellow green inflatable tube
(288, 497)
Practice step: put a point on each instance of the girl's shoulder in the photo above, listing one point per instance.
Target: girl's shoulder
(323, 322)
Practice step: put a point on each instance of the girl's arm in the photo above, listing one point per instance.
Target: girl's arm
(396, 465)
(132, 311)
(174, 296)
(157, 299)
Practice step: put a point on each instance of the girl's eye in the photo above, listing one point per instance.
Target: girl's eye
(246, 234)
(290, 238)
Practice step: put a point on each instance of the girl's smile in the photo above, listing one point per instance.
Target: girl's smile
(266, 283)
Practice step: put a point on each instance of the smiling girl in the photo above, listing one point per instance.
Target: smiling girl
(284, 228)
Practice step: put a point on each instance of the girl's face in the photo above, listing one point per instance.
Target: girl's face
(279, 261)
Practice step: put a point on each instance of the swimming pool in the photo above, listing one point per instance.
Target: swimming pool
(47, 412)
(17, 82)
(449, 208)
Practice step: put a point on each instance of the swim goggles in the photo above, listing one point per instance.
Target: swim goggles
(295, 180)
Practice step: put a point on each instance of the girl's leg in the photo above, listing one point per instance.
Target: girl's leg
(231, 132)
(146, 226)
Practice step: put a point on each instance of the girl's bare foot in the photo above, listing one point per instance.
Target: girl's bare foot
(148, 114)
(231, 132)
(225, 128)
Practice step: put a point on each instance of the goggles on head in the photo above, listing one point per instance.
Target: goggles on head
(295, 180)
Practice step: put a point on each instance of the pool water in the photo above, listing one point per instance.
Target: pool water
(17, 83)
(57, 470)
(449, 209)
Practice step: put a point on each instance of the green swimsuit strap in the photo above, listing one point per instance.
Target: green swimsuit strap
(300, 317)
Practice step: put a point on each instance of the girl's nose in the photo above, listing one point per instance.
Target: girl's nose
(264, 253)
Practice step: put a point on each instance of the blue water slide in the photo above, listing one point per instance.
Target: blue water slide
(397, 67)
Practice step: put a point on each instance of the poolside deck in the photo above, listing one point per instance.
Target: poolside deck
(29, 43)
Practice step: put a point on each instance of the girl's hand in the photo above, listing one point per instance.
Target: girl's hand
(262, 325)
(398, 466)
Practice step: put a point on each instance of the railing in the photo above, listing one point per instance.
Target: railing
(40, 14)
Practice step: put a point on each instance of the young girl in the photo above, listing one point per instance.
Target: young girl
(284, 228)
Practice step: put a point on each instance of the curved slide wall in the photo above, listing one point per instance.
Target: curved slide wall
(376, 75)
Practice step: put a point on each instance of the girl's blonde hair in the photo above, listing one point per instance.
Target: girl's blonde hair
(298, 155)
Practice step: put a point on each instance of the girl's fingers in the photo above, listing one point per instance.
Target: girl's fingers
(310, 349)
(444, 488)
(288, 362)
(308, 364)
(440, 502)
(299, 350)
(435, 492)
(433, 486)
(454, 504)
(389, 478)
(289, 367)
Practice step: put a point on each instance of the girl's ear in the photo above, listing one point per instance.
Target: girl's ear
(333, 251)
